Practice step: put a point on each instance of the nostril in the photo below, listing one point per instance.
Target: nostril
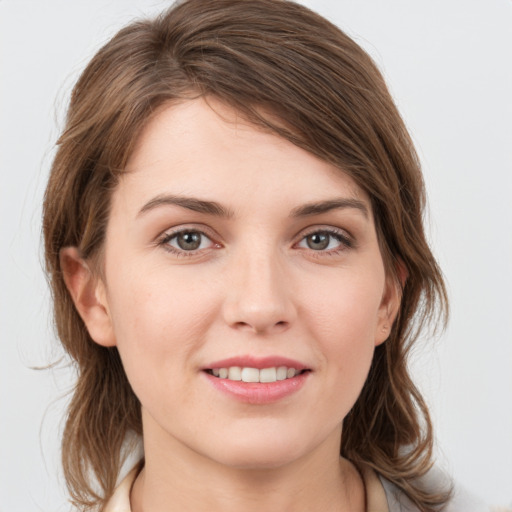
(243, 325)
(262, 326)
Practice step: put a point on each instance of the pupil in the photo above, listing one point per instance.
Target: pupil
(189, 241)
(318, 241)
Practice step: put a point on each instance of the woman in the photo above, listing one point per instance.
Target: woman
(233, 230)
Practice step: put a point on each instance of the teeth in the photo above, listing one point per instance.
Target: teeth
(281, 373)
(235, 373)
(268, 375)
(272, 374)
(250, 375)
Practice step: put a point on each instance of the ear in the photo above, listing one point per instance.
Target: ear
(89, 296)
(390, 304)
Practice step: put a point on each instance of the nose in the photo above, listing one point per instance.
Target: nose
(259, 297)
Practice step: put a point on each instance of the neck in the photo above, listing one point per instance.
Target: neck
(177, 478)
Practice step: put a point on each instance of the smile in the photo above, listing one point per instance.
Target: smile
(248, 374)
(257, 380)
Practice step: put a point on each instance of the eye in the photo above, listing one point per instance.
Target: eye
(326, 241)
(186, 241)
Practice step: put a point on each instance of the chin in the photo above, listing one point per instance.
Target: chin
(261, 453)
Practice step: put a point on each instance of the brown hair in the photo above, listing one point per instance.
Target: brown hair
(328, 97)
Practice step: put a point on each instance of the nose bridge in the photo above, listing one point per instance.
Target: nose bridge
(259, 295)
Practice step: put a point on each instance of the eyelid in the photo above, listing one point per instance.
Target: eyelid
(163, 239)
(347, 240)
(326, 228)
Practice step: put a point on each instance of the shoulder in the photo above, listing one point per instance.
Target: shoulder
(461, 500)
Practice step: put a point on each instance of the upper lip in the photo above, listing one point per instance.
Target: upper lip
(257, 362)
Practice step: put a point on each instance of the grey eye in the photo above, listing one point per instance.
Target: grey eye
(189, 240)
(318, 241)
(325, 241)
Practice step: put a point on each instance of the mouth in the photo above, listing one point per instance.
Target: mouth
(257, 380)
(256, 375)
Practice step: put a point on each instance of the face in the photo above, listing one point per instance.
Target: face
(232, 254)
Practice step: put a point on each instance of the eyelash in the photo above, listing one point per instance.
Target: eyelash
(346, 242)
(165, 240)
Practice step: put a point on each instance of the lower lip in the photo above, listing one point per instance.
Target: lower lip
(258, 392)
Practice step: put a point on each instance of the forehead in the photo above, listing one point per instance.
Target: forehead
(206, 148)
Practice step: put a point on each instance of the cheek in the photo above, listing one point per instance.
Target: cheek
(343, 320)
(159, 324)
(161, 304)
(348, 309)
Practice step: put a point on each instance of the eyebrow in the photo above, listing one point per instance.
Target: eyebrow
(216, 209)
(190, 203)
(320, 207)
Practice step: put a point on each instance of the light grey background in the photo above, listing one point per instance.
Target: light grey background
(449, 66)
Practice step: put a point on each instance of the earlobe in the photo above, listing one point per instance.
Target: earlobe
(89, 296)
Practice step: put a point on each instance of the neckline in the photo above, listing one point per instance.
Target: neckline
(374, 493)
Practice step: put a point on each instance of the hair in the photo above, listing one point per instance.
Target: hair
(287, 70)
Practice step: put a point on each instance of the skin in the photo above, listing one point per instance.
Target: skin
(255, 286)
